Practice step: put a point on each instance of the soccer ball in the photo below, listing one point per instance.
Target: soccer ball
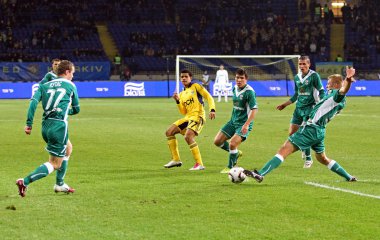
(236, 175)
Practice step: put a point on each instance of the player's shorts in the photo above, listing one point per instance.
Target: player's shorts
(195, 124)
(55, 134)
(300, 115)
(230, 129)
(309, 136)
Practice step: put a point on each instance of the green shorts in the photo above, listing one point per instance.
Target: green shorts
(230, 129)
(309, 136)
(55, 134)
(300, 115)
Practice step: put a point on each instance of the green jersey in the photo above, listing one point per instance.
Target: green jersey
(244, 101)
(308, 89)
(327, 108)
(48, 77)
(57, 96)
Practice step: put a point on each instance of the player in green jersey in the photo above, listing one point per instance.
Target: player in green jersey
(308, 90)
(56, 96)
(312, 134)
(53, 73)
(240, 124)
(61, 172)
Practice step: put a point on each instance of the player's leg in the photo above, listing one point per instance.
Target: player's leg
(299, 140)
(218, 91)
(306, 153)
(295, 123)
(225, 92)
(334, 166)
(235, 141)
(40, 172)
(61, 172)
(193, 130)
(286, 149)
(172, 141)
(50, 130)
(221, 140)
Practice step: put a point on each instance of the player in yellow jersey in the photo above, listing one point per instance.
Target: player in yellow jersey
(190, 102)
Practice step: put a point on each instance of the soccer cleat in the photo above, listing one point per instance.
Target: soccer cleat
(173, 163)
(308, 164)
(240, 154)
(353, 179)
(197, 167)
(254, 174)
(225, 170)
(64, 188)
(21, 187)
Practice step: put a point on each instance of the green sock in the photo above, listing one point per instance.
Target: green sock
(272, 164)
(225, 146)
(308, 154)
(61, 172)
(40, 172)
(232, 158)
(335, 167)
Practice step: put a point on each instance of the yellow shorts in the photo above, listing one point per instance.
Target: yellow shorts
(195, 124)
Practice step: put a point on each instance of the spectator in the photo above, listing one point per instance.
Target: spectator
(117, 64)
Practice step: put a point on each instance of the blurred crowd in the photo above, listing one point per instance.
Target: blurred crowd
(193, 27)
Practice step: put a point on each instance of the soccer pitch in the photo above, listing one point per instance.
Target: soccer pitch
(123, 191)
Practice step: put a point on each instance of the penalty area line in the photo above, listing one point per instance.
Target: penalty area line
(342, 190)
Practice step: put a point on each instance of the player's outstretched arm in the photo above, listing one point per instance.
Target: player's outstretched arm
(350, 72)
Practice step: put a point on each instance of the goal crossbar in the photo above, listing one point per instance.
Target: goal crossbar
(280, 57)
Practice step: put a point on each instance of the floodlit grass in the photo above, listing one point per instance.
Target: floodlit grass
(123, 191)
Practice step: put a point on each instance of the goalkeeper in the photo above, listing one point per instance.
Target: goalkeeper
(308, 90)
(190, 102)
(222, 83)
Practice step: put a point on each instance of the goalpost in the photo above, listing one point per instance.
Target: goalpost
(258, 67)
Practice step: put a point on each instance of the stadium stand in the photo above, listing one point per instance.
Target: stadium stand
(362, 35)
(148, 34)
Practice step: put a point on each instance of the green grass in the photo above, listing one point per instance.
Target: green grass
(123, 191)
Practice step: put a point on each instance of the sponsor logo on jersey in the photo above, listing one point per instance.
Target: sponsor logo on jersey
(134, 90)
(238, 108)
(189, 102)
(303, 92)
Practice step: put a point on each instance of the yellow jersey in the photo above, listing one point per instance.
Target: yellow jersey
(191, 101)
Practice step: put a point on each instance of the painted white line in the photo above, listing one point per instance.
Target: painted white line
(366, 180)
(342, 190)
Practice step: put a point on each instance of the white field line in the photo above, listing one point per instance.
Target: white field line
(342, 190)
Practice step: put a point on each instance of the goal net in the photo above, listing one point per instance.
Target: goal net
(258, 67)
